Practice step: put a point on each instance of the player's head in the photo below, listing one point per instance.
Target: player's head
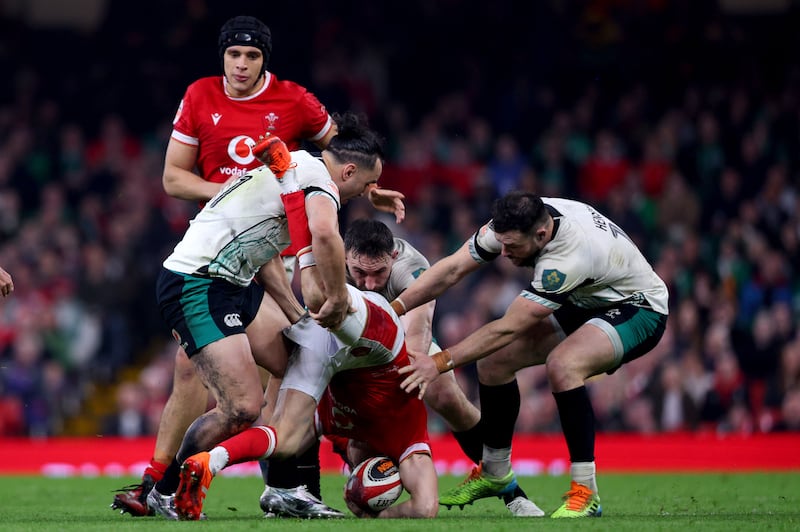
(354, 156)
(520, 222)
(248, 41)
(369, 253)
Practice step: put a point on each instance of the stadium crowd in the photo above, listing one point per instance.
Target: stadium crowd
(681, 121)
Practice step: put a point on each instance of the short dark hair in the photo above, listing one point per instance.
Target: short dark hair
(370, 238)
(518, 211)
(355, 142)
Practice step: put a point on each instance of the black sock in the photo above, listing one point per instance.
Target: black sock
(577, 423)
(499, 411)
(296, 471)
(264, 466)
(169, 482)
(471, 442)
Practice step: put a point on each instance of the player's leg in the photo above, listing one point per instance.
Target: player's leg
(601, 344)
(270, 351)
(228, 370)
(500, 402)
(257, 443)
(567, 368)
(186, 402)
(445, 397)
(420, 481)
(304, 383)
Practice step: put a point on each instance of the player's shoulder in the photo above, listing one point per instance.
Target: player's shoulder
(285, 86)
(407, 252)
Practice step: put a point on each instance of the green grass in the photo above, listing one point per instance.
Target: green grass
(709, 502)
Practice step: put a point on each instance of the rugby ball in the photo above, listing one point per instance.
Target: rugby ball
(374, 484)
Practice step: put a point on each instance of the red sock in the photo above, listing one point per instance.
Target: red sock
(254, 443)
(156, 469)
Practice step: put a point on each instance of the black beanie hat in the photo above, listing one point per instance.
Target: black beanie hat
(246, 31)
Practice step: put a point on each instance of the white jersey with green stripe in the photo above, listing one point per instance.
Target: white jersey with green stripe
(244, 225)
(589, 262)
(408, 265)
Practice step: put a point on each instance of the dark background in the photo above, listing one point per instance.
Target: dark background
(471, 98)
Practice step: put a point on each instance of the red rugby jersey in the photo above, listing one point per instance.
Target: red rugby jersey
(224, 128)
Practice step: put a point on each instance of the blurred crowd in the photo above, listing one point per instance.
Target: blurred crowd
(679, 121)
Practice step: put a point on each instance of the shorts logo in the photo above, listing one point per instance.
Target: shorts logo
(614, 313)
(552, 279)
(232, 320)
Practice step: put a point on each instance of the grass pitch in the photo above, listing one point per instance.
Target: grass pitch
(707, 502)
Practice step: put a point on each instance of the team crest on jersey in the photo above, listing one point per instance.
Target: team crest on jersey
(271, 119)
(553, 279)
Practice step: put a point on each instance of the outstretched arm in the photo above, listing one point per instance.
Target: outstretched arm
(520, 316)
(435, 280)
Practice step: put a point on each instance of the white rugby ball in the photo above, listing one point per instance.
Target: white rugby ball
(374, 484)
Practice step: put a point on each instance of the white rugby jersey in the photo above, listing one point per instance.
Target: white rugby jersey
(244, 225)
(408, 265)
(590, 262)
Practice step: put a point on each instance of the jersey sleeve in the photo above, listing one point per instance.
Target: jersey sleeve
(183, 126)
(409, 265)
(316, 120)
(483, 245)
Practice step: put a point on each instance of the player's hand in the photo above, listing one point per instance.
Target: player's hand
(389, 201)
(333, 312)
(421, 372)
(6, 284)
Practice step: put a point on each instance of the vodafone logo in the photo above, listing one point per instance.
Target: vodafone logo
(240, 149)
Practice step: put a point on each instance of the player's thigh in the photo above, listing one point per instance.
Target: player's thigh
(227, 368)
(530, 349)
(584, 353)
(265, 334)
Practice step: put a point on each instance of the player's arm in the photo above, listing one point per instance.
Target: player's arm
(272, 277)
(438, 278)
(179, 180)
(331, 306)
(418, 324)
(521, 315)
(326, 138)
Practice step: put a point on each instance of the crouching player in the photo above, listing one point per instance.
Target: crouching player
(350, 378)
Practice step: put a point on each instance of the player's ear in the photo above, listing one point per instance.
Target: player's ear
(349, 170)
